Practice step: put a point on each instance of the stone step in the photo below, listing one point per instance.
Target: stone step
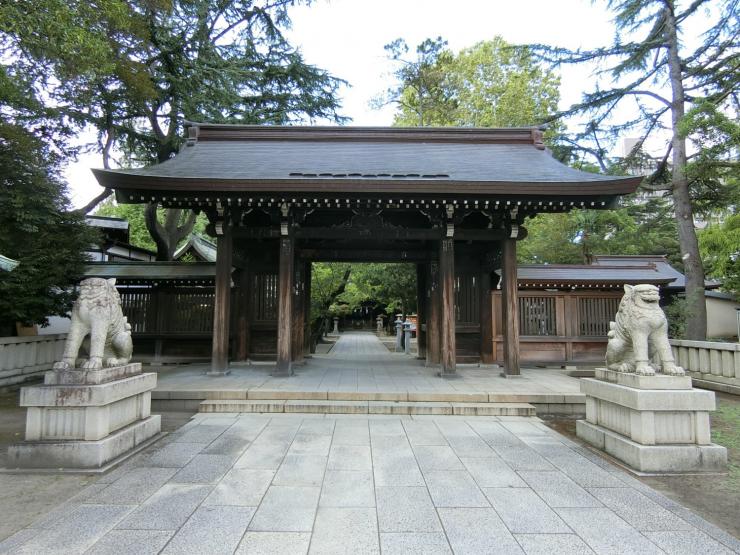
(367, 407)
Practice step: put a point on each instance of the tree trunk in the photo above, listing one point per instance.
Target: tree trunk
(169, 235)
(696, 326)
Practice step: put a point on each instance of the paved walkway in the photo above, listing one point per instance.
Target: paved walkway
(359, 362)
(288, 484)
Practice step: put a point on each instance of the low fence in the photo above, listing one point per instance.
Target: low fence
(27, 358)
(711, 364)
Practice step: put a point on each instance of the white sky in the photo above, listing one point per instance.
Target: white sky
(346, 37)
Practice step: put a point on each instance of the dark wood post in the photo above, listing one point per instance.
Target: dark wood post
(298, 313)
(307, 309)
(510, 304)
(486, 317)
(447, 320)
(221, 304)
(243, 317)
(283, 366)
(434, 300)
(421, 310)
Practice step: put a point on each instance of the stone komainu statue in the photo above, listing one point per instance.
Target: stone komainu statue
(97, 312)
(638, 339)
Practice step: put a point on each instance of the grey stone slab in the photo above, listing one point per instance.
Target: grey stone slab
(172, 455)
(386, 426)
(9, 544)
(557, 490)
(212, 530)
(492, 472)
(351, 432)
(494, 433)
(454, 488)
(274, 543)
(263, 454)
(423, 433)
(584, 472)
(202, 433)
(687, 542)
(345, 530)
(406, 509)
(75, 532)
(131, 542)
(470, 447)
(524, 429)
(319, 426)
(417, 543)
(477, 531)
(286, 509)
(134, 487)
(605, 532)
(553, 544)
(394, 469)
(348, 488)
(301, 470)
(522, 457)
(638, 510)
(227, 445)
(350, 457)
(241, 486)
(524, 512)
(310, 444)
(204, 469)
(167, 509)
(437, 457)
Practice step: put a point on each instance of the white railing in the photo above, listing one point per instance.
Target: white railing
(709, 360)
(25, 358)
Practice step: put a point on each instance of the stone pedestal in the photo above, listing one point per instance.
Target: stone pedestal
(651, 423)
(85, 419)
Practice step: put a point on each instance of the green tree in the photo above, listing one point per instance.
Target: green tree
(134, 214)
(391, 286)
(136, 71)
(38, 230)
(650, 68)
(720, 247)
(489, 84)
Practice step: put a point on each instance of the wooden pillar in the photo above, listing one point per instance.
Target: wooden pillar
(243, 317)
(510, 304)
(307, 309)
(298, 313)
(283, 366)
(433, 311)
(447, 319)
(221, 304)
(421, 310)
(486, 318)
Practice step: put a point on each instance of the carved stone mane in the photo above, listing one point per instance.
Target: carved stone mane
(97, 312)
(638, 338)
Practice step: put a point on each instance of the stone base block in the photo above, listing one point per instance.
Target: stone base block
(654, 458)
(83, 455)
(78, 376)
(658, 381)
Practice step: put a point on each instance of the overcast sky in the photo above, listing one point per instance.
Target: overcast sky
(346, 37)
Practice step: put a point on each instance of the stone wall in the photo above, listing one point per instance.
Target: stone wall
(712, 365)
(27, 358)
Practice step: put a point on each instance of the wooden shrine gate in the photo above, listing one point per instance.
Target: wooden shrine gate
(451, 200)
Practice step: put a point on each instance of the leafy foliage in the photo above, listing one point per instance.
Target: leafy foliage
(136, 71)
(650, 71)
(37, 229)
(134, 214)
(489, 84)
(390, 286)
(720, 247)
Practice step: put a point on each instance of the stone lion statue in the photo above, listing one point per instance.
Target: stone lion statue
(97, 312)
(638, 339)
